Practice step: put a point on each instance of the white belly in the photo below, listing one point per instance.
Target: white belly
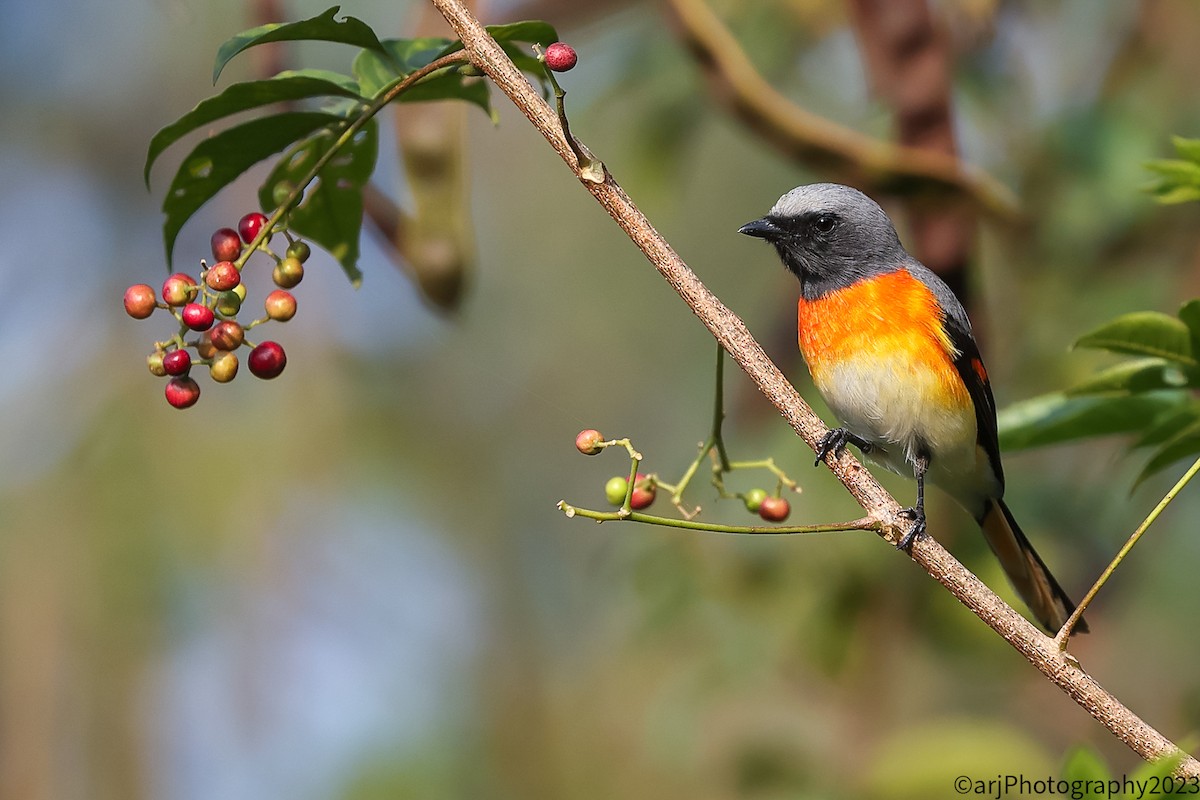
(880, 403)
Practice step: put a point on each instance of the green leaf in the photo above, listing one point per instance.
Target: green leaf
(218, 160)
(1185, 443)
(1187, 148)
(1084, 764)
(451, 86)
(515, 39)
(533, 31)
(284, 87)
(1057, 417)
(410, 55)
(1168, 425)
(1190, 314)
(1140, 375)
(1144, 333)
(322, 27)
(1159, 768)
(332, 210)
(1176, 170)
(401, 57)
(376, 74)
(1168, 194)
(530, 31)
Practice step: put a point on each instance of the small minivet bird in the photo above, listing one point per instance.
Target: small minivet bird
(890, 349)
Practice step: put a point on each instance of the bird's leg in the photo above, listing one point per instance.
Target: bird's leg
(836, 440)
(917, 513)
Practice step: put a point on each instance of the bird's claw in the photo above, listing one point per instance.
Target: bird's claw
(835, 441)
(917, 529)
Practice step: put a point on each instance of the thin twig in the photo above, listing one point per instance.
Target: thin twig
(733, 335)
(1064, 634)
(860, 524)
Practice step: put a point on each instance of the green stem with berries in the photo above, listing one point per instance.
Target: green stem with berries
(365, 116)
(590, 167)
(861, 524)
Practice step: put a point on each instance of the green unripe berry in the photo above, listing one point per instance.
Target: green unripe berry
(281, 192)
(288, 273)
(615, 489)
(223, 368)
(229, 303)
(299, 251)
(753, 499)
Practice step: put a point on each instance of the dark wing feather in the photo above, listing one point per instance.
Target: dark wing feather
(974, 376)
(969, 365)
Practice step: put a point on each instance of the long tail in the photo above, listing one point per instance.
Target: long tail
(1026, 570)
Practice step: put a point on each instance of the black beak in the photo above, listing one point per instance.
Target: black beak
(762, 229)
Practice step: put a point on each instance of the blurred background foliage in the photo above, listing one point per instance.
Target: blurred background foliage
(352, 582)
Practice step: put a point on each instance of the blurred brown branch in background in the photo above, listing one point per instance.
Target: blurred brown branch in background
(433, 243)
(907, 56)
(871, 164)
(731, 332)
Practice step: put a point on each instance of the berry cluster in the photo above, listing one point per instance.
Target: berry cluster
(590, 442)
(208, 307)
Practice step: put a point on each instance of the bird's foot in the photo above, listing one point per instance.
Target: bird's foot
(917, 515)
(836, 440)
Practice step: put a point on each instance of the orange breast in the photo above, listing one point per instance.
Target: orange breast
(893, 320)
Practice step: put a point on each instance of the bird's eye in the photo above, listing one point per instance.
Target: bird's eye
(824, 223)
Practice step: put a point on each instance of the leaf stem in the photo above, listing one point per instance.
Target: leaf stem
(1064, 635)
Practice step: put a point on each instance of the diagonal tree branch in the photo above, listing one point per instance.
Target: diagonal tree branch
(733, 335)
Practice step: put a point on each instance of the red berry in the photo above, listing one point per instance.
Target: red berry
(179, 289)
(227, 335)
(641, 498)
(774, 509)
(561, 57)
(140, 301)
(223, 276)
(223, 368)
(226, 246)
(197, 317)
(177, 362)
(288, 273)
(643, 494)
(588, 442)
(267, 360)
(250, 225)
(182, 392)
(280, 305)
